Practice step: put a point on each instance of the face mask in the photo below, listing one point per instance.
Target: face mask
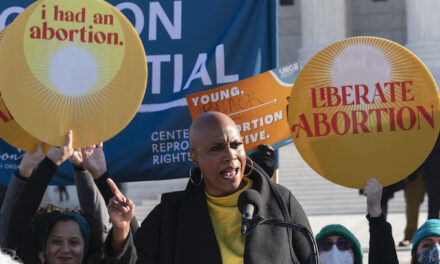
(430, 256)
(336, 256)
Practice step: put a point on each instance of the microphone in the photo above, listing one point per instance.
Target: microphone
(249, 202)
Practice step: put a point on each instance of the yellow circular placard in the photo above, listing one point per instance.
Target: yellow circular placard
(10, 130)
(364, 107)
(72, 65)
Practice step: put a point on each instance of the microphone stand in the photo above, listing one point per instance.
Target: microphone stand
(258, 220)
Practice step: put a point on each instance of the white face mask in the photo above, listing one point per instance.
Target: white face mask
(336, 256)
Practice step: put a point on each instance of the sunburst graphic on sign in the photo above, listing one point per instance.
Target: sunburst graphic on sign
(81, 84)
(82, 67)
(359, 106)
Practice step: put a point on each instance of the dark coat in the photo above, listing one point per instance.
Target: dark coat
(179, 230)
(382, 247)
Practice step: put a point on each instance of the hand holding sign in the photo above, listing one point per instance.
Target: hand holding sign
(94, 160)
(373, 192)
(30, 160)
(60, 154)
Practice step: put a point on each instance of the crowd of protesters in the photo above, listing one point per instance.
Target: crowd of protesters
(200, 224)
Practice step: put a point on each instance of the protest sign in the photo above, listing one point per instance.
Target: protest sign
(10, 130)
(72, 65)
(364, 107)
(184, 56)
(257, 105)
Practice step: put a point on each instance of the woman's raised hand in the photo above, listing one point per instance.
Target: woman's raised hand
(373, 191)
(30, 160)
(121, 211)
(94, 160)
(60, 154)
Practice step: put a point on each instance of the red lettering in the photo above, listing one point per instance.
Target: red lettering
(345, 95)
(429, 118)
(392, 119)
(303, 124)
(98, 39)
(412, 118)
(57, 13)
(72, 33)
(4, 117)
(362, 96)
(335, 120)
(35, 33)
(49, 30)
(392, 87)
(314, 104)
(406, 90)
(378, 92)
(63, 36)
(318, 122)
(378, 117)
(361, 123)
(332, 96)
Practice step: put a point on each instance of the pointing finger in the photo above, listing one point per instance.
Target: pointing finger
(113, 187)
(68, 142)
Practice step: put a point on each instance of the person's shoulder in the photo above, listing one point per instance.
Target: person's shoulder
(282, 190)
(172, 197)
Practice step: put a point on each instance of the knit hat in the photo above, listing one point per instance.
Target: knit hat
(429, 228)
(342, 231)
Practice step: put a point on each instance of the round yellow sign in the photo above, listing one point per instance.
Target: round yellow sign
(364, 107)
(10, 130)
(72, 65)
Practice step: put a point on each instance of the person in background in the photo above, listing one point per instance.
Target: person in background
(414, 193)
(431, 173)
(336, 244)
(51, 235)
(62, 190)
(426, 243)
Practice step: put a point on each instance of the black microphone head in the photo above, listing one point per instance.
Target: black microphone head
(250, 196)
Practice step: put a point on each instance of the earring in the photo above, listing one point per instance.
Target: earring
(191, 179)
(252, 168)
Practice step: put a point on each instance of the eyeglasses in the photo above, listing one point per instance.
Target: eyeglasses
(341, 244)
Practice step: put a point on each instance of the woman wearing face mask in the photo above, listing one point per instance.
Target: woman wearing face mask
(426, 240)
(337, 245)
(426, 243)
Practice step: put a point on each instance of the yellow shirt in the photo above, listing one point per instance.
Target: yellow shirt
(226, 219)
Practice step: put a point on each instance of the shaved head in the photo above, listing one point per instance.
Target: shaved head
(208, 121)
(218, 151)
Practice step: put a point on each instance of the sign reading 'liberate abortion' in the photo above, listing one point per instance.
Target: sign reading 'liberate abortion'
(364, 107)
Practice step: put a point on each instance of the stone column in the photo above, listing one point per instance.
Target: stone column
(423, 28)
(323, 22)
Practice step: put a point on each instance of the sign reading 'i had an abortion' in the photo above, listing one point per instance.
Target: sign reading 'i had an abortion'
(72, 65)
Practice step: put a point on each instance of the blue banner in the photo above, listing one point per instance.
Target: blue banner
(191, 46)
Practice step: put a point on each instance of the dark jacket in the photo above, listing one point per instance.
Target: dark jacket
(179, 230)
(382, 248)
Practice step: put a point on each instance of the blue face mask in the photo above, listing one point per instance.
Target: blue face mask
(430, 255)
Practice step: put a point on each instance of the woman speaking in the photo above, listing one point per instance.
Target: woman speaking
(202, 223)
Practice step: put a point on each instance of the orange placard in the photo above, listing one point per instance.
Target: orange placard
(257, 105)
(72, 65)
(364, 107)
